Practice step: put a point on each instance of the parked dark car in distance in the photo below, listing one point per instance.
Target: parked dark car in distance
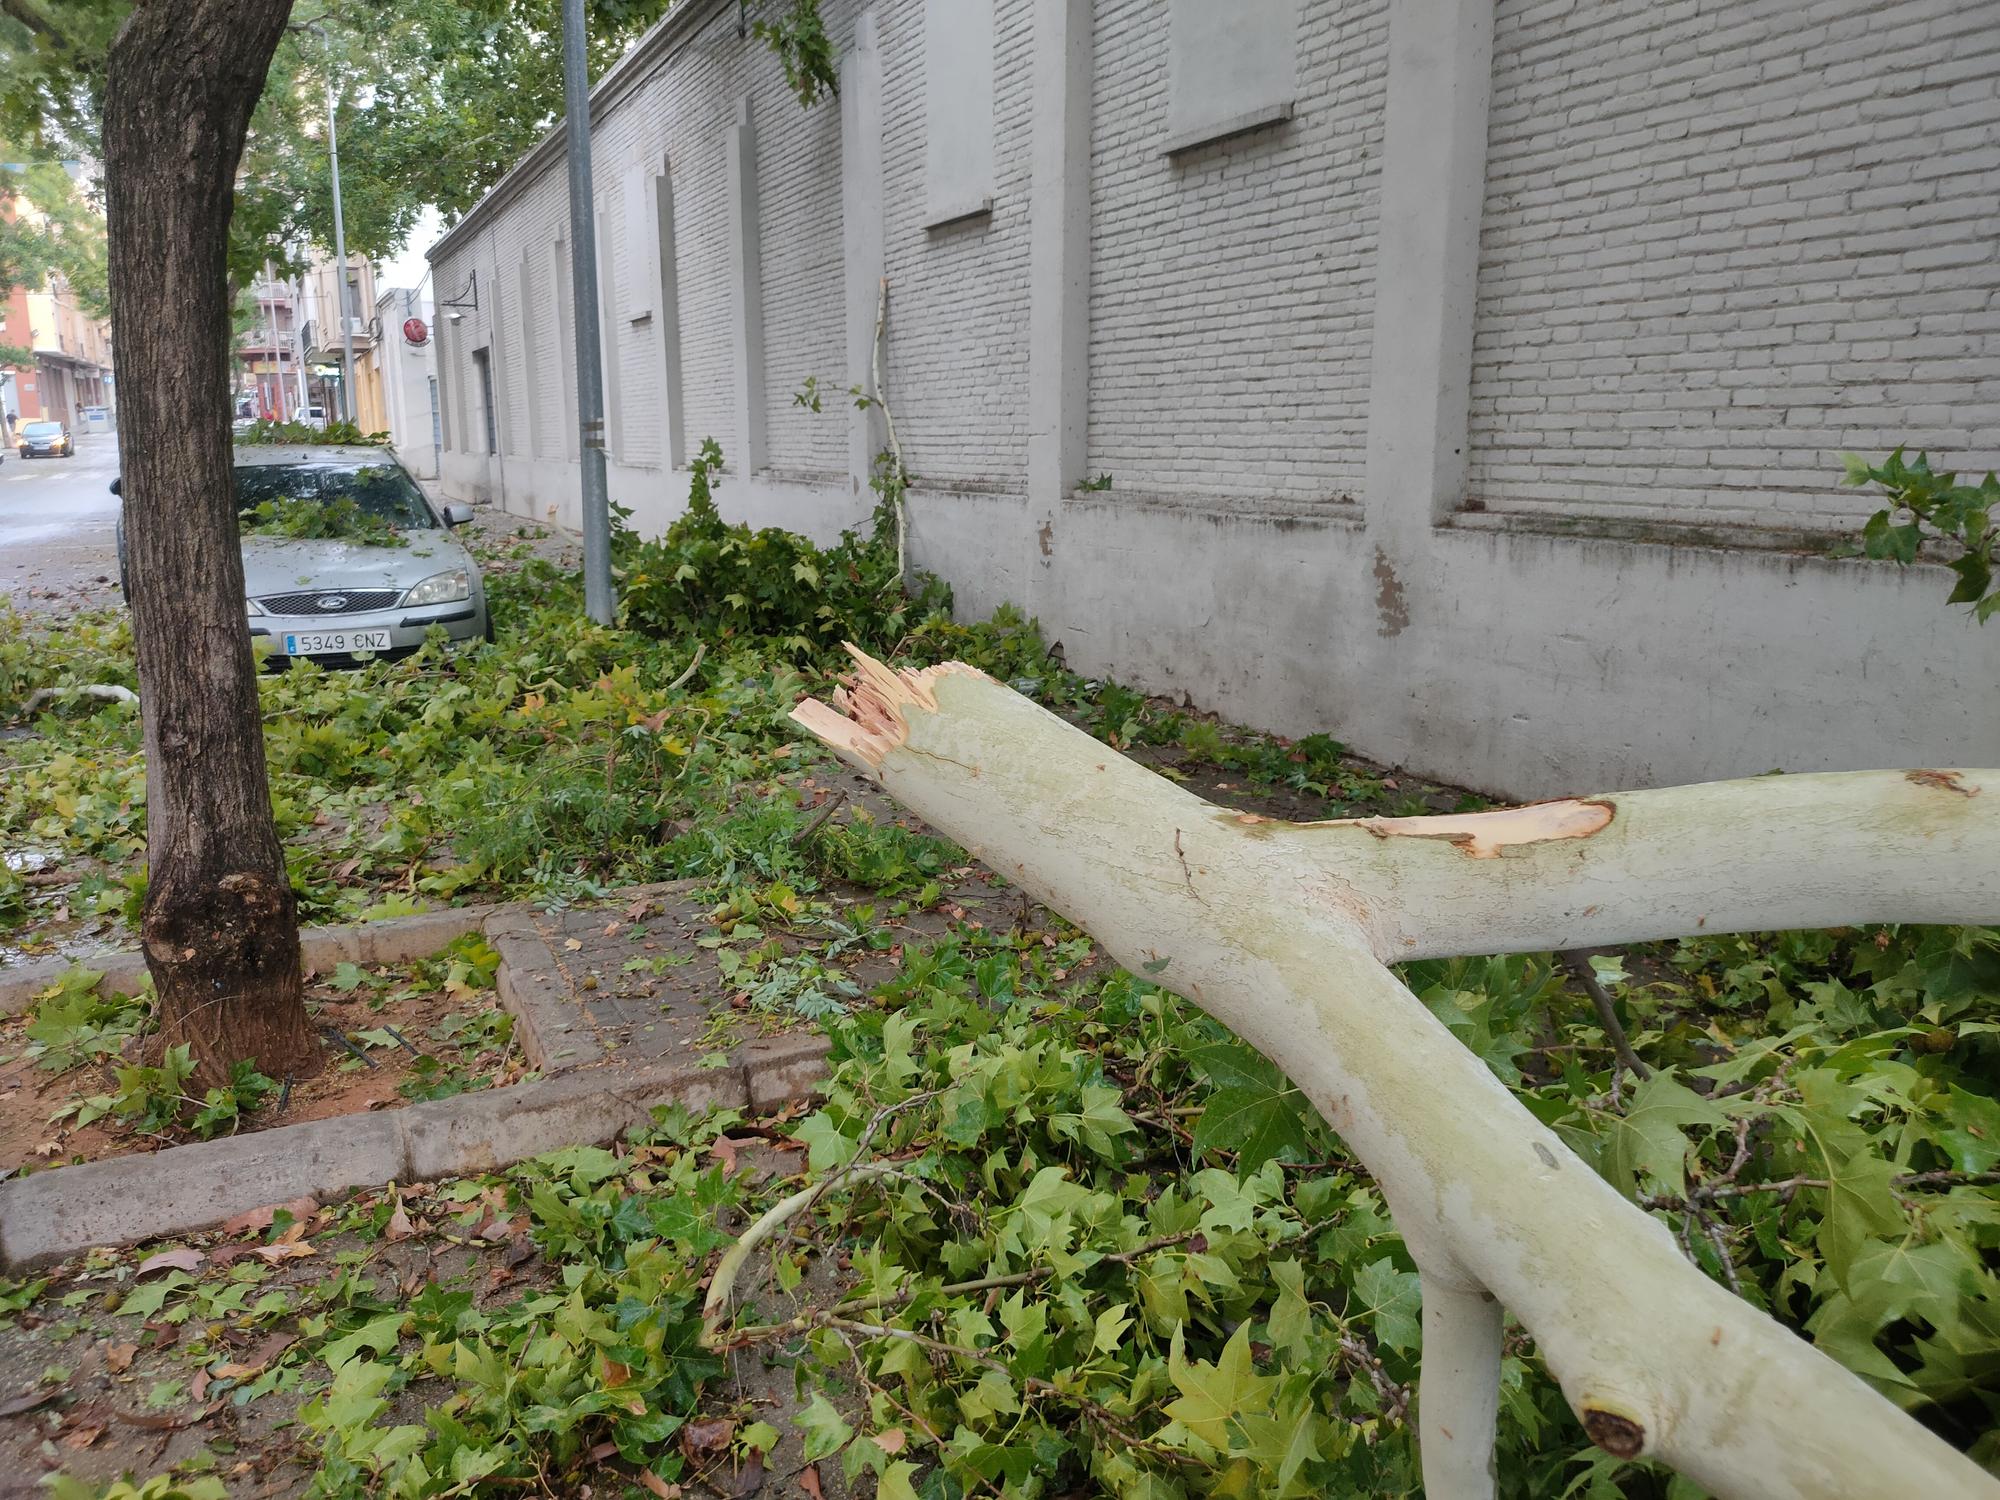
(46, 440)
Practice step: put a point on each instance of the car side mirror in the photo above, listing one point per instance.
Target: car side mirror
(457, 515)
(117, 486)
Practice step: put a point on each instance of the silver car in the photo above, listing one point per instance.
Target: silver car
(344, 601)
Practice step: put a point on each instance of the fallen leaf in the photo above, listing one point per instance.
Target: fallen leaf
(272, 1254)
(198, 1387)
(84, 1434)
(809, 1481)
(891, 1442)
(161, 1422)
(118, 1357)
(13, 1406)
(611, 929)
(399, 1227)
(698, 1439)
(659, 1486)
(254, 1363)
(261, 1218)
(572, 944)
(519, 1253)
(171, 1260)
(497, 1229)
(724, 1151)
(751, 1478)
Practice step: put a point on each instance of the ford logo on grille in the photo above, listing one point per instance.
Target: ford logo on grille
(331, 601)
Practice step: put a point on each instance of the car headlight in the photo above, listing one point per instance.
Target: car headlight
(441, 588)
(252, 607)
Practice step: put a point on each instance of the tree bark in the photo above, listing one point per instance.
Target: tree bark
(1284, 933)
(221, 926)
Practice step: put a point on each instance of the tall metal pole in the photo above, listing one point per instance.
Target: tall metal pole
(598, 600)
(340, 253)
(271, 322)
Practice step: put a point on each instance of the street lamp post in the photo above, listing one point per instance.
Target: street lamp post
(340, 254)
(598, 599)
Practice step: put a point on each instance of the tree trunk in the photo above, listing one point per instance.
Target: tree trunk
(1284, 932)
(221, 927)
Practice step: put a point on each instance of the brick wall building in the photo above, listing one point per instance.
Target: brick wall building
(1470, 375)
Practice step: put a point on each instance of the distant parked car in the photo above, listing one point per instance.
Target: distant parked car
(373, 592)
(46, 440)
(315, 416)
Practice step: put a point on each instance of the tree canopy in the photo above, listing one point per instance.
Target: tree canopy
(434, 100)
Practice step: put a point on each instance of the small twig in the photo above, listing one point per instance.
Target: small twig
(819, 822)
(404, 1042)
(335, 1034)
(700, 650)
(1577, 961)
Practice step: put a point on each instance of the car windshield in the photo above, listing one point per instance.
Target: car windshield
(379, 490)
(41, 429)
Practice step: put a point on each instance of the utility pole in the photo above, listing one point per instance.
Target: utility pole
(271, 342)
(340, 253)
(598, 599)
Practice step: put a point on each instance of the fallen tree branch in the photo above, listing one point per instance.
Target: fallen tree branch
(1578, 963)
(1284, 932)
(103, 692)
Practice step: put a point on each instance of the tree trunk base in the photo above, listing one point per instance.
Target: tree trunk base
(225, 966)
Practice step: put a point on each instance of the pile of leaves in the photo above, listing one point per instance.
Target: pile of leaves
(707, 579)
(295, 434)
(338, 520)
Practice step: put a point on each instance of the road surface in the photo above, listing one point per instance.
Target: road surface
(58, 548)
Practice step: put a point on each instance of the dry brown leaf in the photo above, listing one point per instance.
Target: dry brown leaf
(809, 1481)
(497, 1229)
(712, 1435)
(13, 1406)
(84, 1433)
(724, 1151)
(118, 1357)
(254, 1363)
(272, 1254)
(261, 1218)
(659, 1486)
(891, 1442)
(572, 944)
(198, 1387)
(171, 1260)
(399, 1226)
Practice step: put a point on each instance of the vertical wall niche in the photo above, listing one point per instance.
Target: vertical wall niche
(1231, 68)
(958, 110)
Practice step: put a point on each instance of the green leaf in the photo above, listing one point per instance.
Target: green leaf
(1213, 1393)
(1394, 1299)
(826, 1431)
(377, 1334)
(1255, 1111)
(1647, 1143)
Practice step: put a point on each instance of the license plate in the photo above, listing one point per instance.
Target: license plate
(336, 642)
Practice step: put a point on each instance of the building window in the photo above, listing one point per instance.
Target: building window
(958, 110)
(482, 360)
(1230, 68)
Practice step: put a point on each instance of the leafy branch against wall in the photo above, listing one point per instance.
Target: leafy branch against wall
(1931, 507)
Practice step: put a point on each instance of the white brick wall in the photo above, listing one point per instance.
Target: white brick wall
(955, 355)
(1720, 243)
(1725, 240)
(1231, 286)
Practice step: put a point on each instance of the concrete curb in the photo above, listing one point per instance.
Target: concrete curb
(391, 940)
(51, 1215)
(552, 1028)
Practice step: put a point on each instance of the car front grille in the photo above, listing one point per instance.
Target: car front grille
(329, 601)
